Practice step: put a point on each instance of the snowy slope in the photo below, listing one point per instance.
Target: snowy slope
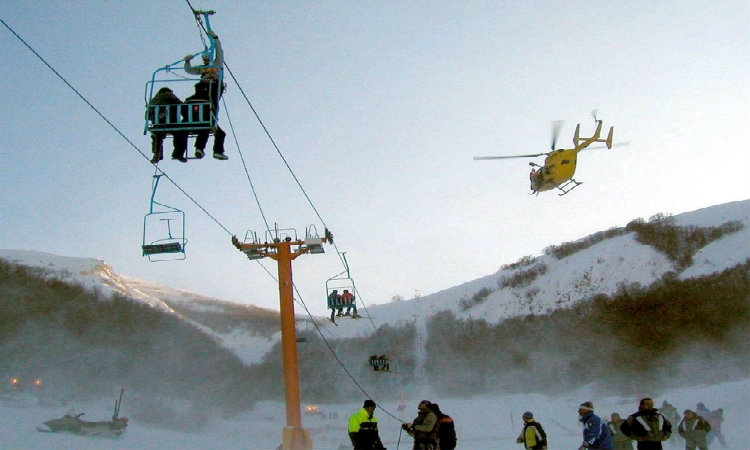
(726, 252)
(599, 269)
(90, 273)
(95, 274)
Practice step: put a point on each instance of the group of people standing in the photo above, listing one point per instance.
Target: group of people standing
(207, 90)
(431, 429)
(648, 427)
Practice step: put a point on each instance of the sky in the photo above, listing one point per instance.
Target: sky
(378, 109)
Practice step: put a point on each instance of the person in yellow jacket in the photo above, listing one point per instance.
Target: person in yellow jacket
(532, 436)
(363, 428)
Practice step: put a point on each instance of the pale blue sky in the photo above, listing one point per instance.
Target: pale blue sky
(379, 108)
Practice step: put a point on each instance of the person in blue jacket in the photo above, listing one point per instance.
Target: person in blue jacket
(596, 434)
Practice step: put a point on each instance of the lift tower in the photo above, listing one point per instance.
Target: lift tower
(285, 247)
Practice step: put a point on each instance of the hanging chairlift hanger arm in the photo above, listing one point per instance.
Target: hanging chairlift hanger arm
(211, 50)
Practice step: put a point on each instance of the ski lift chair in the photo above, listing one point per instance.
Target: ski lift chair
(380, 363)
(163, 235)
(192, 117)
(163, 230)
(339, 284)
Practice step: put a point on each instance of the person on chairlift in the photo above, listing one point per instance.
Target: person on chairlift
(348, 301)
(165, 116)
(202, 95)
(209, 89)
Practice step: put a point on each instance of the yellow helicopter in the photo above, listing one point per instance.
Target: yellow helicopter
(560, 164)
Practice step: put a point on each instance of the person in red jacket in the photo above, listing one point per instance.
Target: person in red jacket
(446, 433)
(348, 300)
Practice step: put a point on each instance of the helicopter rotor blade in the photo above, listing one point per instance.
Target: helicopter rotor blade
(481, 158)
(556, 126)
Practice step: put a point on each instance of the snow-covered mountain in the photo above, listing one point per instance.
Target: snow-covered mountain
(557, 283)
(249, 342)
(596, 268)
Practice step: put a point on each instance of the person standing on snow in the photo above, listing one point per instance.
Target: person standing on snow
(622, 442)
(446, 433)
(424, 428)
(694, 428)
(596, 435)
(532, 436)
(647, 426)
(363, 428)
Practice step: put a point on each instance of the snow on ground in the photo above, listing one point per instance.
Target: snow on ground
(482, 423)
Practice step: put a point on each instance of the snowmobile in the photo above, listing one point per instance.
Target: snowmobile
(72, 423)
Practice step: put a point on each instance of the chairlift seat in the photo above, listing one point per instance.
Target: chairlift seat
(170, 247)
(340, 303)
(192, 117)
(380, 364)
(253, 254)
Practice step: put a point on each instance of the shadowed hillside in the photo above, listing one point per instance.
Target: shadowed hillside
(84, 345)
(693, 331)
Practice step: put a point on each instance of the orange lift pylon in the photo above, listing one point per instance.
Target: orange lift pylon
(284, 250)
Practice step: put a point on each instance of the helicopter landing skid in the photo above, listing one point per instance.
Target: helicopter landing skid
(568, 186)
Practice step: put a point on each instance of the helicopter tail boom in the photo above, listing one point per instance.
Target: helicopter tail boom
(608, 141)
(585, 142)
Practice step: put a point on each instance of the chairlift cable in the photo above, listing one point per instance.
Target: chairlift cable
(317, 213)
(113, 126)
(244, 164)
(338, 360)
(265, 129)
(289, 168)
(158, 172)
(345, 263)
(161, 172)
(275, 146)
